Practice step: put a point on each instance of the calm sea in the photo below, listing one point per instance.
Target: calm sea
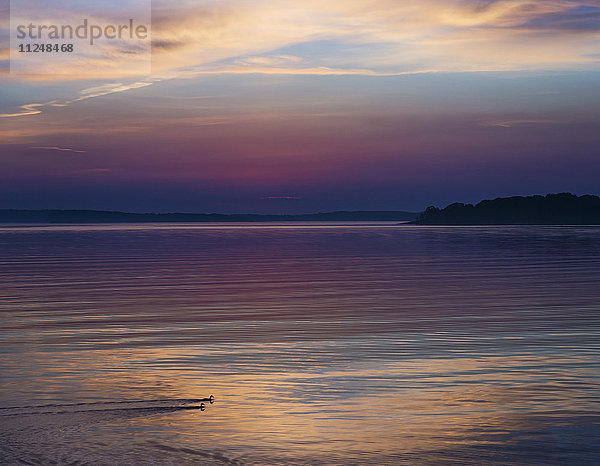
(322, 344)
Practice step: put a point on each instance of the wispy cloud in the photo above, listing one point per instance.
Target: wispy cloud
(514, 123)
(62, 149)
(300, 71)
(111, 88)
(241, 68)
(269, 60)
(27, 109)
(89, 93)
(93, 170)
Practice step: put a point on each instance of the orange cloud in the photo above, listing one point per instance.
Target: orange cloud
(362, 37)
(442, 35)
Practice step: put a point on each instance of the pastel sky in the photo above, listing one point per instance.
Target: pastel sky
(302, 106)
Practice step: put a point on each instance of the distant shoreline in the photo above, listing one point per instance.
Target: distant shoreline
(101, 216)
(552, 209)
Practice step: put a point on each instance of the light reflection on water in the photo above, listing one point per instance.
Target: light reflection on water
(321, 344)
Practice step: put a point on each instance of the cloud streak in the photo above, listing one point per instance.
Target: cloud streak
(90, 93)
(110, 88)
(27, 109)
(62, 149)
(517, 123)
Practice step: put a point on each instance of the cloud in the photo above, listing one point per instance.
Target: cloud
(247, 67)
(92, 170)
(117, 57)
(514, 123)
(270, 60)
(580, 18)
(352, 37)
(111, 88)
(63, 149)
(27, 109)
(314, 71)
(377, 36)
(90, 93)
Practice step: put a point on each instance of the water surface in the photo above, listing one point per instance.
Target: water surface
(322, 344)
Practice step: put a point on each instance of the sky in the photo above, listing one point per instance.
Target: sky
(277, 106)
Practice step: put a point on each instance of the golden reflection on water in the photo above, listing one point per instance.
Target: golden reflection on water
(421, 409)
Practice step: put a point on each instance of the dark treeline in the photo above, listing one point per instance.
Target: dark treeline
(99, 216)
(553, 209)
